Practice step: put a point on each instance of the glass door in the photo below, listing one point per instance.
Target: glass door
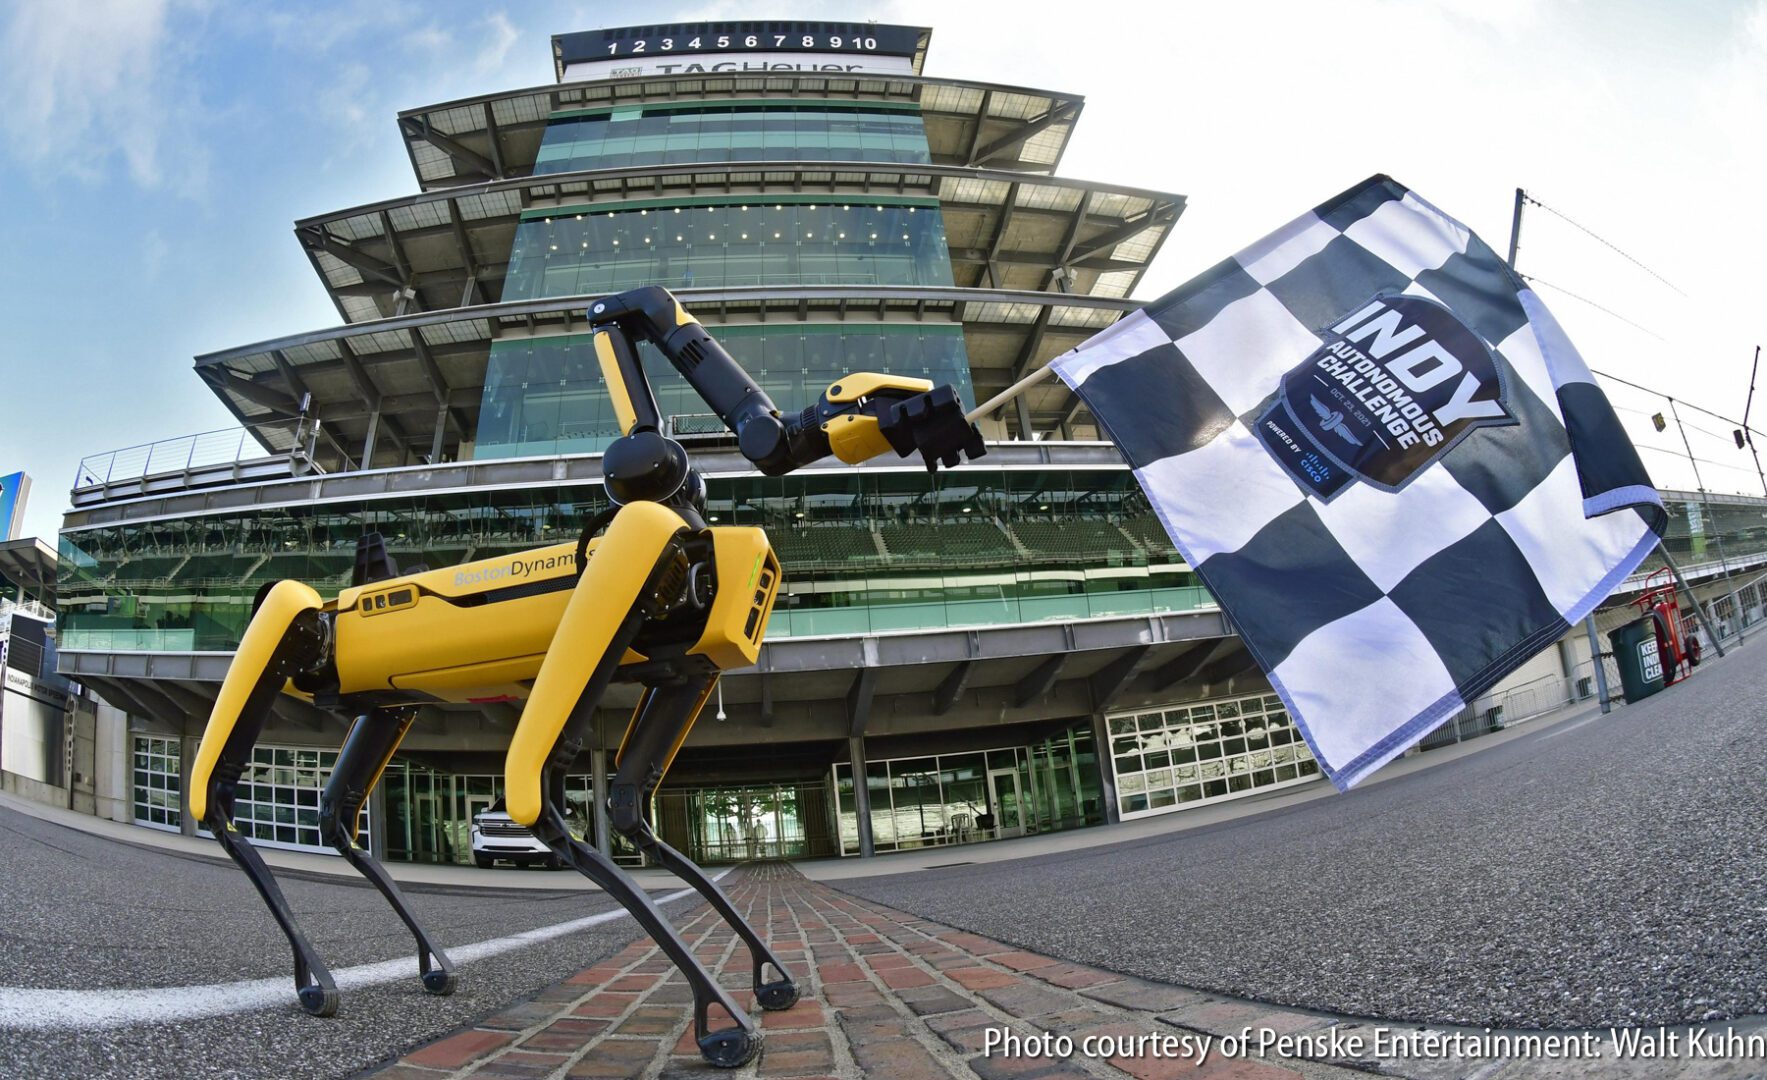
(1006, 803)
(463, 827)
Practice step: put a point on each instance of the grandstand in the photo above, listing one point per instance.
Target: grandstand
(1077, 541)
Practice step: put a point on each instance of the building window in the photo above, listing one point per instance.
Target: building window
(158, 793)
(766, 240)
(1170, 757)
(696, 132)
(278, 798)
(969, 797)
(544, 396)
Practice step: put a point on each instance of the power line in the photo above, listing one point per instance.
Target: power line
(1596, 306)
(1610, 245)
(1670, 397)
(1681, 456)
(1721, 436)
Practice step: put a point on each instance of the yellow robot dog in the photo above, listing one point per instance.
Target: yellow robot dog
(661, 600)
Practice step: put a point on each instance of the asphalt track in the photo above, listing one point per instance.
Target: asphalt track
(1595, 871)
(81, 912)
(1603, 871)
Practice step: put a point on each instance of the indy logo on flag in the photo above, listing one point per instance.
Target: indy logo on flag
(1397, 384)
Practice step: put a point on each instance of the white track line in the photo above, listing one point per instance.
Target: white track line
(49, 1010)
(1568, 728)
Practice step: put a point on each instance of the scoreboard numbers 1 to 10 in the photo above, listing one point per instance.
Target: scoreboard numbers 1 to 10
(748, 41)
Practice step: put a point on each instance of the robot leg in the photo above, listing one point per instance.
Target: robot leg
(659, 727)
(366, 750)
(284, 636)
(617, 588)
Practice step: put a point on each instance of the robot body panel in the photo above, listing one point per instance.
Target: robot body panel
(461, 633)
(479, 631)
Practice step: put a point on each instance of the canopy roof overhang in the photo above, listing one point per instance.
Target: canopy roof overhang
(497, 136)
(29, 563)
(1004, 230)
(417, 380)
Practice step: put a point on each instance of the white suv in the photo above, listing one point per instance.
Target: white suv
(495, 835)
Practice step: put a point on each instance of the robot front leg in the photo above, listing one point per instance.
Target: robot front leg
(659, 727)
(601, 620)
(285, 636)
(366, 750)
(726, 1048)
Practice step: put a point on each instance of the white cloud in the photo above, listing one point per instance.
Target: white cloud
(500, 36)
(431, 38)
(90, 83)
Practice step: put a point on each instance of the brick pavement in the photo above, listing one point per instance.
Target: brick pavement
(888, 994)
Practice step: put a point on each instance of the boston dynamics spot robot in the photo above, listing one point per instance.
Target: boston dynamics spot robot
(659, 599)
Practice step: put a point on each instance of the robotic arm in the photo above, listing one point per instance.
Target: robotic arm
(858, 418)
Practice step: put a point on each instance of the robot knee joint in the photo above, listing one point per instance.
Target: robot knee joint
(623, 814)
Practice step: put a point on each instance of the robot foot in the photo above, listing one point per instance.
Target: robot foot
(730, 1048)
(318, 1000)
(777, 996)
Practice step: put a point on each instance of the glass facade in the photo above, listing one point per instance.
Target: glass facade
(1165, 758)
(1697, 531)
(277, 804)
(668, 133)
(863, 551)
(727, 241)
(429, 812)
(981, 795)
(158, 794)
(544, 396)
(754, 821)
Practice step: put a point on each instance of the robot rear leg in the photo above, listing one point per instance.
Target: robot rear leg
(366, 750)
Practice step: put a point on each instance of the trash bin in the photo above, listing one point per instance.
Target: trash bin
(1637, 657)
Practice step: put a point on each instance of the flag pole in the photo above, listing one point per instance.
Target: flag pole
(1006, 395)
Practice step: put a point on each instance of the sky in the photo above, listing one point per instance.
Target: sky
(155, 154)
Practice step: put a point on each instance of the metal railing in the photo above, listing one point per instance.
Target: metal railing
(28, 606)
(1722, 609)
(1494, 712)
(226, 455)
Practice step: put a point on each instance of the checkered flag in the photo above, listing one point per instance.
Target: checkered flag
(1383, 456)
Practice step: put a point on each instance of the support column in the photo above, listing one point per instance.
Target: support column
(1023, 410)
(1107, 773)
(861, 795)
(368, 440)
(1595, 657)
(598, 782)
(435, 444)
(186, 758)
(377, 821)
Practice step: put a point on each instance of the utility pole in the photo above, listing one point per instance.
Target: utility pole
(1749, 436)
(1515, 243)
(1717, 538)
(1515, 228)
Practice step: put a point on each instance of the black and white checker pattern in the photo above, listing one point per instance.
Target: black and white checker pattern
(1376, 615)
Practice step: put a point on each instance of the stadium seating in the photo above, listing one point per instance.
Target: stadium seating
(1076, 541)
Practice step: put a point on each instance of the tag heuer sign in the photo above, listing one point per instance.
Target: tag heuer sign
(1397, 383)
